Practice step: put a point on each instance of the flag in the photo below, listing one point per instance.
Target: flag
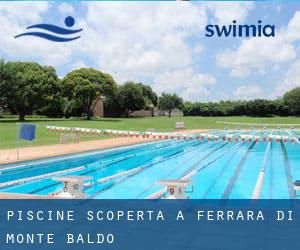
(27, 132)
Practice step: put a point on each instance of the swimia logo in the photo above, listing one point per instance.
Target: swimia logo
(52, 32)
(239, 30)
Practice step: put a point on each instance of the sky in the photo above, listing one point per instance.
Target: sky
(163, 44)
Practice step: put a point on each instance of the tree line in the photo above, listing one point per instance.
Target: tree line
(30, 88)
(288, 105)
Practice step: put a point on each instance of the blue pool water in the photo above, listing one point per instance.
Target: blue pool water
(222, 169)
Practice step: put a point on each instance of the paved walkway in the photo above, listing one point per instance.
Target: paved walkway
(31, 153)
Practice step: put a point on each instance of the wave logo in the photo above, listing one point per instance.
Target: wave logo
(59, 34)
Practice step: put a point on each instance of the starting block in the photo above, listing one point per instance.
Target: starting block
(176, 188)
(73, 186)
(296, 187)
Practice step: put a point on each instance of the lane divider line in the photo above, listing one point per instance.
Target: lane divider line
(29, 179)
(287, 168)
(236, 174)
(261, 176)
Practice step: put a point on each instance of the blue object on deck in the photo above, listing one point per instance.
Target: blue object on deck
(27, 132)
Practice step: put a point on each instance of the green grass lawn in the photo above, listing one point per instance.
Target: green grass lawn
(9, 127)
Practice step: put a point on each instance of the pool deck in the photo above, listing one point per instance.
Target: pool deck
(24, 196)
(31, 153)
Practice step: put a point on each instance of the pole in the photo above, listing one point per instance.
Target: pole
(17, 141)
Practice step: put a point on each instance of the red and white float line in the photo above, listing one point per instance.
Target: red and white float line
(229, 137)
(294, 138)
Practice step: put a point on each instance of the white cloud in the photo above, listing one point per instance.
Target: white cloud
(79, 64)
(188, 84)
(131, 41)
(226, 12)
(291, 80)
(23, 11)
(255, 54)
(198, 49)
(65, 8)
(141, 38)
(292, 76)
(293, 28)
(247, 92)
(14, 18)
(151, 43)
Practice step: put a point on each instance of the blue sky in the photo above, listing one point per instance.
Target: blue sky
(163, 44)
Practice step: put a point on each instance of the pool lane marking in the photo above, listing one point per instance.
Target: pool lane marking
(270, 189)
(38, 177)
(260, 179)
(105, 164)
(194, 171)
(194, 166)
(172, 171)
(54, 159)
(237, 172)
(127, 158)
(115, 176)
(288, 173)
(94, 170)
(222, 171)
(16, 170)
(160, 193)
(145, 167)
(89, 184)
(111, 152)
(54, 184)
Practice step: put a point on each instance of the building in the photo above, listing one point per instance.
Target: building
(98, 107)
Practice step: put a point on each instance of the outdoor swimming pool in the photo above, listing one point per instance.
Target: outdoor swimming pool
(218, 169)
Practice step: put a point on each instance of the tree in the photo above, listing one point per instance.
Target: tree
(3, 83)
(26, 86)
(260, 107)
(167, 102)
(281, 107)
(292, 100)
(131, 98)
(149, 94)
(84, 85)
